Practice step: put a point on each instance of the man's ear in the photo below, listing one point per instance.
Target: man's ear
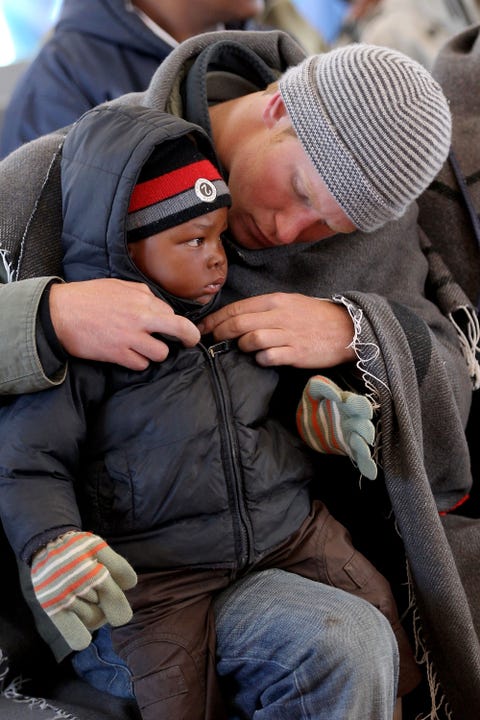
(275, 110)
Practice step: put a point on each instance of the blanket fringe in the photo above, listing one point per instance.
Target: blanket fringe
(469, 342)
(365, 351)
(439, 707)
(6, 264)
(12, 692)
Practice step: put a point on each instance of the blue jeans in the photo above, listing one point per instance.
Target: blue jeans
(291, 649)
(101, 667)
(288, 649)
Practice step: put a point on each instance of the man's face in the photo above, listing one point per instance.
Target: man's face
(187, 260)
(278, 198)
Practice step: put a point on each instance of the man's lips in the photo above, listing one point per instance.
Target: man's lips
(258, 236)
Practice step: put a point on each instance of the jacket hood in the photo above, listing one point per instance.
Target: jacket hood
(228, 64)
(102, 157)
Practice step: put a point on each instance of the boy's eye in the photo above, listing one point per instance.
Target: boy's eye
(195, 242)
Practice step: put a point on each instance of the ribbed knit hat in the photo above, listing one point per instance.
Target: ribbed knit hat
(176, 184)
(375, 124)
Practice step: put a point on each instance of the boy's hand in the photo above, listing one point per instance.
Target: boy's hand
(337, 421)
(79, 581)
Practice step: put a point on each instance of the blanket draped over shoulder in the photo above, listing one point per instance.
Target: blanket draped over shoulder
(407, 354)
(402, 298)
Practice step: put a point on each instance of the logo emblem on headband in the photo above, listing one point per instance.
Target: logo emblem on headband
(205, 190)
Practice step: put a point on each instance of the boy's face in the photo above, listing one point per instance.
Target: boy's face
(187, 260)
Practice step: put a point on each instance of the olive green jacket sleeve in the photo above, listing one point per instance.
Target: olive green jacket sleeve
(21, 370)
(30, 257)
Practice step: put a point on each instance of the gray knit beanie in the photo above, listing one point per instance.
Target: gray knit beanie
(375, 124)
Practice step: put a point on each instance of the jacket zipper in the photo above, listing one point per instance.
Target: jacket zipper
(230, 456)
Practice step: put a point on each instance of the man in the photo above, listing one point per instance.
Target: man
(100, 49)
(297, 192)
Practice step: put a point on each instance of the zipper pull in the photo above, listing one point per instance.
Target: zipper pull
(219, 348)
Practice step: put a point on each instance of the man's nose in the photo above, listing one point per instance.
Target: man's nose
(289, 227)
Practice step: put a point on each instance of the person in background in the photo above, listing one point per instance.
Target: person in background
(418, 28)
(287, 15)
(317, 24)
(100, 49)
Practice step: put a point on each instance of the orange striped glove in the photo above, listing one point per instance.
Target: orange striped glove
(79, 581)
(337, 422)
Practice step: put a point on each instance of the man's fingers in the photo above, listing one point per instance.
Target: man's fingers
(286, 329)
(261, 339)
(146, 348)
(226, 326)
(174, 327)
(254, 325)
(112, 320)
(275, 356)
(136, 361)
(239, 317)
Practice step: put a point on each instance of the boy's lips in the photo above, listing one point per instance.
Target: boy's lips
(215, 286)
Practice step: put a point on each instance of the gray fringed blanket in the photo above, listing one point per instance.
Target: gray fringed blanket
(409, 357)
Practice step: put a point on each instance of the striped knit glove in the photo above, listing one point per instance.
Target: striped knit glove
(79, 581)
(336, 421)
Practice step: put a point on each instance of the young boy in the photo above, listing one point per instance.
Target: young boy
(168, 483)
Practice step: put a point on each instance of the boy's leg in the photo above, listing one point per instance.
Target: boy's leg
(169, 645)
(292, 649)
(101, 667)
(322, 550)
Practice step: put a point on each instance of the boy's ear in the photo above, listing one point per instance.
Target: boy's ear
(275, 110)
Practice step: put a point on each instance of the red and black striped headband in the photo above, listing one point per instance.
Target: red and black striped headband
(176, 184)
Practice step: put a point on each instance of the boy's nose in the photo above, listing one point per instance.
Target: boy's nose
(217, 258)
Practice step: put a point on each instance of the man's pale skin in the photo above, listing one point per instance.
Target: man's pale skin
(113, 320)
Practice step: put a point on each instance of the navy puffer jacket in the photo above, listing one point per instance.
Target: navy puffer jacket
(179, 465)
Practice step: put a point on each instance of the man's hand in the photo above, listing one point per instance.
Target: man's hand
(286, 329)
(113, 320)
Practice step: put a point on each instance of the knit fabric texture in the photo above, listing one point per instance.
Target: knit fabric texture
(79, 581)
(176, 184)
(337, 422)
(375, 124)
